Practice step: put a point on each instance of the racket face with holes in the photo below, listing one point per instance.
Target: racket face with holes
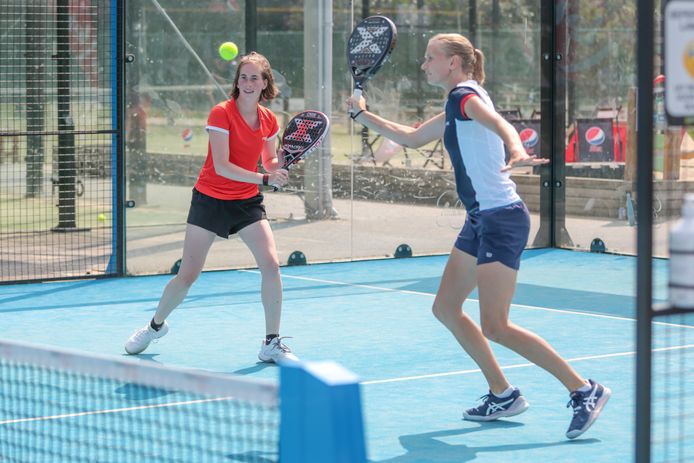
(303, 134)
(369, 47)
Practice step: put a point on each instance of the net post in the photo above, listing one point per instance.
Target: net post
(321, 416)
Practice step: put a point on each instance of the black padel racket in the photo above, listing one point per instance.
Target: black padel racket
(303, 134)
(371, 43)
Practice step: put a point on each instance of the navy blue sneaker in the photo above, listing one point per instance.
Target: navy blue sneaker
(587, 407)
(494, 407)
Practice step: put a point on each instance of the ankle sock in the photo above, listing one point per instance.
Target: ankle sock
(585, 388)
(270, 337)
(155, 326)
(505, 394)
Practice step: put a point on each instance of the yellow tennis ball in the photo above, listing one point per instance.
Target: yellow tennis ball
(101, 217)
(228, 51)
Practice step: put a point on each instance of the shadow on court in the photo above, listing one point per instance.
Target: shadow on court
(259, 366)
(429, 447)
(255, 457)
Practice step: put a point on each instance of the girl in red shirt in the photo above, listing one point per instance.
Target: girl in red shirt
(227, 200)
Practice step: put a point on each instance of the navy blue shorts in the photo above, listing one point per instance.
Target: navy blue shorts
(496, 235)
(224, 217)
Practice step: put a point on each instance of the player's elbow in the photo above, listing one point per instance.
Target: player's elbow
(218, 169)
(222, 168)
(412, 142)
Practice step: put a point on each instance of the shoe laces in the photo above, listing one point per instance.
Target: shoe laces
(581, 400)
(279, 345)
(575, 402)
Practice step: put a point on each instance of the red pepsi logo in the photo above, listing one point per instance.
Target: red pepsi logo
(187, 134)
(595, 136)
(529, 137)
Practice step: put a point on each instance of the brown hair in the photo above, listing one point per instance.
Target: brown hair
(271, 90)
(458, 45)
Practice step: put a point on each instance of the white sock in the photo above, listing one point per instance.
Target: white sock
(506, 393)
(585, 388)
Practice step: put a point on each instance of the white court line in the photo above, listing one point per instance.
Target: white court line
(521, 306)
(115, 410)
(519, 365)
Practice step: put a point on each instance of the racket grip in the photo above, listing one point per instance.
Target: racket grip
(356, 94)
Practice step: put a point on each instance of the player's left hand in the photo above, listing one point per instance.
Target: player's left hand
(521, 159)
(278, 178)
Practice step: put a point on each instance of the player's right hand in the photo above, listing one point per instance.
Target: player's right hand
(355, 104)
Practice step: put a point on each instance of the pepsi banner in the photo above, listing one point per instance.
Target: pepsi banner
(529, 132)
(595, 140)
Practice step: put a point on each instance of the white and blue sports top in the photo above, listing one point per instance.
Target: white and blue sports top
(477, 154)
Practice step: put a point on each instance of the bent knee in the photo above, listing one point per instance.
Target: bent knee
(269, 266)
(187, 278)
(494, 331)
(443, 313)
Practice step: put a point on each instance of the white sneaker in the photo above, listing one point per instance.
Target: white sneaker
(276, 352)
(141, 338)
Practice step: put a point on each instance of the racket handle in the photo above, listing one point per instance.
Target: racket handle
(356, 94)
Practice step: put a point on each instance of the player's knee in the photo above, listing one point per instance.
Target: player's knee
(441, 312)
(494, 331)
(187, 278)
(269, 266)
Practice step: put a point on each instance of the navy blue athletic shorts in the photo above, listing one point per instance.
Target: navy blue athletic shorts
(496, 235)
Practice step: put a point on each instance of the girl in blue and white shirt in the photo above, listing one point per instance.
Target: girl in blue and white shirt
(487, 251)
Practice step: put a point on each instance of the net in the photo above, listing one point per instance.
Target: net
(673, 380)
(63, 406)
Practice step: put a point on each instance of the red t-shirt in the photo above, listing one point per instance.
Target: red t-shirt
(245, 149)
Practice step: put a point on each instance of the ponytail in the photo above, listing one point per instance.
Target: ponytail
(478, 69)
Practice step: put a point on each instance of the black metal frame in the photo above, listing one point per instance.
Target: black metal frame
(644, 234)
(552, 231)
(119, 235)
(545, 234)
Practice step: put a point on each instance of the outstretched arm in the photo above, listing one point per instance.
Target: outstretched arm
(404, 135)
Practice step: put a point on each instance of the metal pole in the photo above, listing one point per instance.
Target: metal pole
(644, 233)
(35, 67)
(419, 29)
(472, 22)
(494, 51)
(318, 81)
(545, 234)
(366, 150)
(251, 25)
(118, 66)
(67, 166)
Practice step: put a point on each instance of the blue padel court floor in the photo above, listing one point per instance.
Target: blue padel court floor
(374, 317)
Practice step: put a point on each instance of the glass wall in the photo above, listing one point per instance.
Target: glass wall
(361, 196)
(597, 94)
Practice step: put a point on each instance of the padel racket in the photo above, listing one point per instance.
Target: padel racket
(368, 48)
(303, 134)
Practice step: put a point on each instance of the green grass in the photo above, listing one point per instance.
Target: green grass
(34, 214)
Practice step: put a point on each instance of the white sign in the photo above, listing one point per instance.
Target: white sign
(679, 58)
